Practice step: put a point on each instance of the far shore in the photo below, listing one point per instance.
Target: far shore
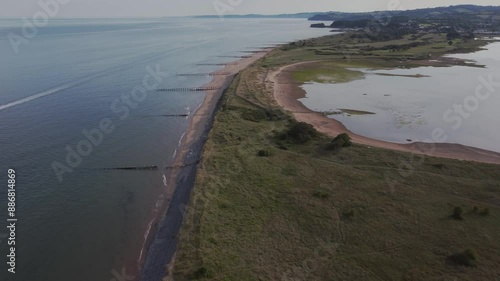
(287, 93)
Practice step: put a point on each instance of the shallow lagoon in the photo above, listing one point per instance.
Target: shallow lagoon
(411, 108)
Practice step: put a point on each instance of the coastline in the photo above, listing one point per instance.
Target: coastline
(160, 245)
(286, 93)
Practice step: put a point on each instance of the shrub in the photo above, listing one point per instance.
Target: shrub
(321, 195)
(201, 273)
(348, 214)
(254, 115)
(467, 258)
(281, 145)
(275, 115)
(301, 132)
(458, 213)
(485, 212)
(439, 166)
(264, 153)
(340, 141)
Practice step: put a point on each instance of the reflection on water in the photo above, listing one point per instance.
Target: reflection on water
(411, 103)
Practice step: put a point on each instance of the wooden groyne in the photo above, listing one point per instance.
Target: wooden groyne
(202, 89)
(166, 115)
(294, 83)
(202, 74)
(136, 168)
(236, 57)
(215, 64)
(150, 168)
(252, 52)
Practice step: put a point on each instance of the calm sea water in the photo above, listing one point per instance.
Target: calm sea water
(412, 108)
(64, 81)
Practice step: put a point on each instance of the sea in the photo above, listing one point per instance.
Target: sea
(79, 99)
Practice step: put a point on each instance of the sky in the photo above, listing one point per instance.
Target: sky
(160, 8)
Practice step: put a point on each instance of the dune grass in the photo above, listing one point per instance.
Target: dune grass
(306, 212)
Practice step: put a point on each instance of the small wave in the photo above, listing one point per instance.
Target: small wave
(160, 202)
(180, 141)
(148, 229)
(165, 180)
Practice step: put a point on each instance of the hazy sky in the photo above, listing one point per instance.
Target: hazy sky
(158, 8)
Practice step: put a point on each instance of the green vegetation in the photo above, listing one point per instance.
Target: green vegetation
(344, 56)
(467, 258)
(328, 73)
(309, 213)
(458, 213)
(264, 153)
(276, 200)
(300, 132)
(340, 141)
(485, 212)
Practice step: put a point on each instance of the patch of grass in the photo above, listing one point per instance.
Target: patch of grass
(439, 166)
(264, 153)
(202, 272)
(333, 74)
(458, 213)
(485, 212)
(256, 115)
(289, 171)
(321, 193)
(467, 258)
(348, 215)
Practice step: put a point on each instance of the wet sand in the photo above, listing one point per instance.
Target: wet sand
(286, 92)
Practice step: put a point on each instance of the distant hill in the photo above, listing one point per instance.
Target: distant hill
(258, 16)
(458, 11)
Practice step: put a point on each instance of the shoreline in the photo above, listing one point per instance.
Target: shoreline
(286, 93)
(160, 245)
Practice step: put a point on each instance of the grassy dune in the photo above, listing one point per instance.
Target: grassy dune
(306, 212)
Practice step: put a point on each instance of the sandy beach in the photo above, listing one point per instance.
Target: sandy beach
(286, 93)
(202, 114)
(162, 236)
